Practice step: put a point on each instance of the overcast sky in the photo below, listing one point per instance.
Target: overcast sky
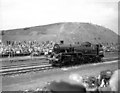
(26, 13)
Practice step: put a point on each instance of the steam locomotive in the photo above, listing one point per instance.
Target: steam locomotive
(68, 54)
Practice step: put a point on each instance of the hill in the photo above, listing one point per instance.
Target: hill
(69, 32)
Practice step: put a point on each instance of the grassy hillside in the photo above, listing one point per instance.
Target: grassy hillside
(69, 32)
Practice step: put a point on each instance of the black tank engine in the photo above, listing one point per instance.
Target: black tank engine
(67, 54)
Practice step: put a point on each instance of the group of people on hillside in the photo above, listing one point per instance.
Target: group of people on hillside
(26, 48)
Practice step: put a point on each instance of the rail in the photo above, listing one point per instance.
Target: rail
(22, 58)
(24, 69)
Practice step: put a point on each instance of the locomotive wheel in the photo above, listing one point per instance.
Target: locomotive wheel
(57, 65)
(99, 59)
(68, 60)
(92, 59)
(86, 59)
(80, 59)
(75, 60)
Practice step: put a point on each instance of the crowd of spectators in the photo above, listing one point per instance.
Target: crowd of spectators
(23, 48)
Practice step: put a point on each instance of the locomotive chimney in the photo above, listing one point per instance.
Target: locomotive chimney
(61, 42)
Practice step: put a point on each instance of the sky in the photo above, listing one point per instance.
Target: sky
(25, 13)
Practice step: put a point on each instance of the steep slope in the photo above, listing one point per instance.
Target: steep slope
(69, 32)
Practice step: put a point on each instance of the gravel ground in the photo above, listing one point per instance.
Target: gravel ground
(36, 80)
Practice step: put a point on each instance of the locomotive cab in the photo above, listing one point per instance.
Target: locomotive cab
(100, 50)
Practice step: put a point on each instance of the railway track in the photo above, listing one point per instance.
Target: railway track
(33, 68)
(23, 65)
(21, 70)
(25, 62)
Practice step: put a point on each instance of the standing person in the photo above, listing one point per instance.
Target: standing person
(104, 78)
(115, 81)
(113, 84)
